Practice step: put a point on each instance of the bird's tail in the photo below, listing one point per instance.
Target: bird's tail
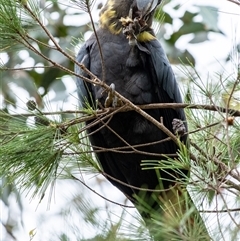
(176, 218)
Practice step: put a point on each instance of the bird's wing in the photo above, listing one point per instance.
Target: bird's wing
(164, 79)
(86, 95)
(166, 92)
(84, 89)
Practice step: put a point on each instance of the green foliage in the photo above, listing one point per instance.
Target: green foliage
(35, 151)
(21, 30)
(34, 154)
(15, 22)
(28, 154)
(200, 30)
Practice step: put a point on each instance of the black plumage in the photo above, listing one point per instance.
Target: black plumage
(141, 73)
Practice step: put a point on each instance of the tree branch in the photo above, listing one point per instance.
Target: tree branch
(234, 1)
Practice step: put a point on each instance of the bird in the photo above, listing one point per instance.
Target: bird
(126, 55)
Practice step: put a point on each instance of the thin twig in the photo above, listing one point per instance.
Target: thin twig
(232, 112)
(137, 188)
(220, 211)
(223, 166)
(27, 68)
(84, 184)
(234, 1)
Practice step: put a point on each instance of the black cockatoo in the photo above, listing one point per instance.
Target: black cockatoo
(134, 64)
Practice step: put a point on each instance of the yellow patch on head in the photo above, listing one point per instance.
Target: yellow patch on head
(110, 3)
(106, 17)
(145, 37)
(113, 28)
(109, 18)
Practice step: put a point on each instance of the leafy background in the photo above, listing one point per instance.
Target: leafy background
(186, 31)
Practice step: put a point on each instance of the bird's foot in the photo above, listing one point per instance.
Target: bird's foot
(178, 127)
(112, 100)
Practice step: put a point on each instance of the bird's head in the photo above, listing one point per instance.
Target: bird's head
(135, 15)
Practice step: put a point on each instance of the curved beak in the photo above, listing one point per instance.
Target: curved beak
(146, 7)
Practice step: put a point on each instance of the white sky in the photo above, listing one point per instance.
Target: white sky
(206, 55)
